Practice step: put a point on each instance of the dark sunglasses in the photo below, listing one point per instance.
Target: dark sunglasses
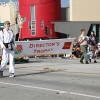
(8, 23)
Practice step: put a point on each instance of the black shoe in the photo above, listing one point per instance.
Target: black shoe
(81, 62)
(1, 73)
(63, 58)
(87, 62)
(95, 61)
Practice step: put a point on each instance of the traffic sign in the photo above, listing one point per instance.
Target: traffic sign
(1, 24)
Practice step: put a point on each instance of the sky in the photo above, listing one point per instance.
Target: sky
(64, 3)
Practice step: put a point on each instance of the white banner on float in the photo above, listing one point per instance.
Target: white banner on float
(43, 47)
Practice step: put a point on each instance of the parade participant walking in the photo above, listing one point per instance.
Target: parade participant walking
(7, 44)
(92, 45)
(83, 41)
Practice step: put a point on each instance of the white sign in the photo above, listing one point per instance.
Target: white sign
(41, 47)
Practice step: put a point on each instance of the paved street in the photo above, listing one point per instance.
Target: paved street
(52, 79)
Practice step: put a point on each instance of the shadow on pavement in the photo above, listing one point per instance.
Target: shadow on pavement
(32, 74)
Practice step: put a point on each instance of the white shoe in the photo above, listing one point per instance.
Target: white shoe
(11, 75)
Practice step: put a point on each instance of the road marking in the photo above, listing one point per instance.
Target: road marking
(53, 90)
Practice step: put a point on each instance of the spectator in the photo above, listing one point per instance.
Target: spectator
(93, 45)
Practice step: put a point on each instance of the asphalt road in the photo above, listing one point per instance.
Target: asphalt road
(52, 79)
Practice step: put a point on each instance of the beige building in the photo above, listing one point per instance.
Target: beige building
(6, 14)
(84, 10)
(80, 14)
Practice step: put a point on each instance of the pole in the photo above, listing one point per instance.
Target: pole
(19, 34)
(15, 27)
(50, 33)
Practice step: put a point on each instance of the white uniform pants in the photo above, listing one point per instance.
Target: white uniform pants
(7, 54)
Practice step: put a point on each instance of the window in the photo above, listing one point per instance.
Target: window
(99, 32)
(42, 24)
(29, 24)
(32, 24)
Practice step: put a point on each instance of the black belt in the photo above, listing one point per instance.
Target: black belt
(9, 45)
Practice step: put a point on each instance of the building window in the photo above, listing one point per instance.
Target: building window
(33, 21)
(99, 33)
(33, 25)
(94, 28)
(33, 32)
(42, 24)
(29, 24)
(32, 12)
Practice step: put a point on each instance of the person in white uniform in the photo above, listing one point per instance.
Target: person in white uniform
(7, 44)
